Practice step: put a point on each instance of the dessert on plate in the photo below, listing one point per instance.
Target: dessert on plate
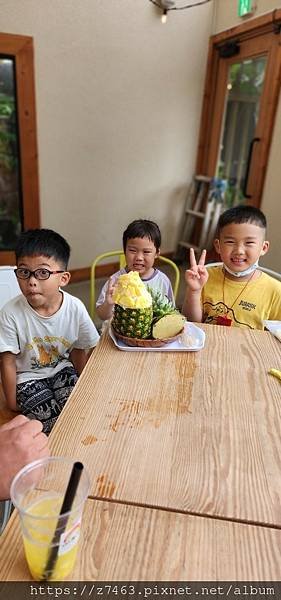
(140, 313)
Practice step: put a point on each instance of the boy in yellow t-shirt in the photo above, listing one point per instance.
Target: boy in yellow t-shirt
(237, 293)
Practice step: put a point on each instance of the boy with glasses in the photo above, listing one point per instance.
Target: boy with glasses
(46, 334)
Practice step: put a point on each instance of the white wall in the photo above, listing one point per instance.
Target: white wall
(226, 12)
(118, 111)
(226, 17)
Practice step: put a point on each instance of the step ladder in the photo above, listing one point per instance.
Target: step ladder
(201, 214)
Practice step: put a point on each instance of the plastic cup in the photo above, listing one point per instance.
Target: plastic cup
(50, 538)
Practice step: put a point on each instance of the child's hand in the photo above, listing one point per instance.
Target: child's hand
(197, 275)
(109, 292)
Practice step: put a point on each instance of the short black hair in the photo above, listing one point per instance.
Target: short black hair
(242, 214)
(45, 242)
(142, 228)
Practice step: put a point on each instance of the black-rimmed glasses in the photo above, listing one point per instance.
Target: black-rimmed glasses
(22, 273)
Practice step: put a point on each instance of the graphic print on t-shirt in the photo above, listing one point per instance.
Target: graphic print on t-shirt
(216, 313)
(48, 351)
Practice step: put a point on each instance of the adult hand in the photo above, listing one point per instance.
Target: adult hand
(21, 442)
(197, 275)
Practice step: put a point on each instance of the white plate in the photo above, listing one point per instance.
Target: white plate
(190, 329)
(274, 327)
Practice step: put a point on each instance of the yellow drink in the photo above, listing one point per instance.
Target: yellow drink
(38, 536)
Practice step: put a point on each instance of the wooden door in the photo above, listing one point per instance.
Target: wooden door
(241, 95)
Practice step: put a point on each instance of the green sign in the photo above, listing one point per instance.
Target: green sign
(244, 7)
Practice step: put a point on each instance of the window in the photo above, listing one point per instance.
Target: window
(19, 188)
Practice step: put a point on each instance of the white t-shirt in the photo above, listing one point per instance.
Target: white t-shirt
(158, 282)
(42, 344)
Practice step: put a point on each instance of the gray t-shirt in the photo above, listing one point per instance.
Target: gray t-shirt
(42, 344)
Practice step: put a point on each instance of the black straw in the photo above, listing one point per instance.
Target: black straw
(61, 524)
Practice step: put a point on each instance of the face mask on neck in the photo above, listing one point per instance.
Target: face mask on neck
(242, 273)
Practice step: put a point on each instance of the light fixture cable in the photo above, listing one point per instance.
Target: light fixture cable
(165, 7)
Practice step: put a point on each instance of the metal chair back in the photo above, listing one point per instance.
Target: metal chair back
(273, 274)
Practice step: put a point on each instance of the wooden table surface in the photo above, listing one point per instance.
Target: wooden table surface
(131, 543)
(195, 432)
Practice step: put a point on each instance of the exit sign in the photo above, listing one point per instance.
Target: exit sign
(244, 7)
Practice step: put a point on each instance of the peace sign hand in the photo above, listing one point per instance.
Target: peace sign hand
(197, 275)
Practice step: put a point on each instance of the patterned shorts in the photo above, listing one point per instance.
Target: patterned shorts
(44, 399)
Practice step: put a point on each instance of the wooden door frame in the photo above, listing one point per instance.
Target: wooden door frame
(271, 22)
(20, 48)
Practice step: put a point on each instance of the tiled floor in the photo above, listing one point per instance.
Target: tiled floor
(82, 290)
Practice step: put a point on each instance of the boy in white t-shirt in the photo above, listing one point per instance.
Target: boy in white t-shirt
(46, 334)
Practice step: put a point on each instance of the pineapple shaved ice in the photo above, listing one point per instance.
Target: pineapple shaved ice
(131, 292)
(142, 313)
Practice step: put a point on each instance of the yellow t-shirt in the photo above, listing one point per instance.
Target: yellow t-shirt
(245, 306)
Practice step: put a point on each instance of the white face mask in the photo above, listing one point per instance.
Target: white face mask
(242, 273)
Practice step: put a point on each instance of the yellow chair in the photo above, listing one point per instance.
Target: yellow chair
(122, 263)
(176, 270)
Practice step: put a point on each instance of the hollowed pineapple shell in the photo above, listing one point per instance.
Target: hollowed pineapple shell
(132, 322)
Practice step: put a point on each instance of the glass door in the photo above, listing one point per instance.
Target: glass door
(241, 95)
(244, 87)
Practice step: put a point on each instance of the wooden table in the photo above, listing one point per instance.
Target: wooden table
(132, 543)
(195, 432)
(183, 451)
